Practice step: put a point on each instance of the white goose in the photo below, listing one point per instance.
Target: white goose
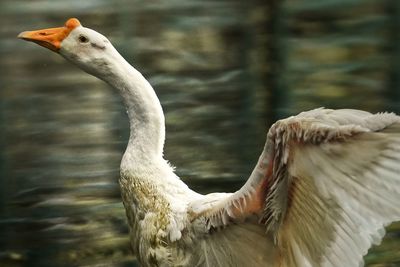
(325, 185)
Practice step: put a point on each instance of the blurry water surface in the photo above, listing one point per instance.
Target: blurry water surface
(223, 70)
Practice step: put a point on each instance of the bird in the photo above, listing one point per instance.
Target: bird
(324, 187)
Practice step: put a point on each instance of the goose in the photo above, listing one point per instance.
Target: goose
(325, 185)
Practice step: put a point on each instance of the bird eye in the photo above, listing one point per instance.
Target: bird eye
(83, 39)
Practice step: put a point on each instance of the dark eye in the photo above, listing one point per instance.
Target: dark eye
(83, 39)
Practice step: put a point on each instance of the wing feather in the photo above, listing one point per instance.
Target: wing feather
(355, 185)
(235, 245)
(325, 186)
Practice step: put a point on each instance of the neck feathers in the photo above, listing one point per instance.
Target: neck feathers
(147, 128)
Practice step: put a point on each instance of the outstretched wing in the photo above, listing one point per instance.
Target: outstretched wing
(326, 184)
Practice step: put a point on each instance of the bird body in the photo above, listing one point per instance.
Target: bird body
(324, 187)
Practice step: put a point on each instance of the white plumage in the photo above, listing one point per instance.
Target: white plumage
(324, 188)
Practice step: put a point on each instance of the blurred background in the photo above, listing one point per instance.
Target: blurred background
(224, 71)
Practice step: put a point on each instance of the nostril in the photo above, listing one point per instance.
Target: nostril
(42, 33)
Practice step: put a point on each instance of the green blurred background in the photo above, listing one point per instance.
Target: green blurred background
(224, 70)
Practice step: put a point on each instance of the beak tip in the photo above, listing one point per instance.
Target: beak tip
(22, 35)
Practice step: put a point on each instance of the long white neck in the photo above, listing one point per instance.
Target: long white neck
(147, 128)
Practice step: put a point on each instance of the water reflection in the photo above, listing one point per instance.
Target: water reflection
(63, 132)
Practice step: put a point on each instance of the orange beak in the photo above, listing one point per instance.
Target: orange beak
(51, 38)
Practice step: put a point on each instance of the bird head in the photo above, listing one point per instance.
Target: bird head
(84, 47)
